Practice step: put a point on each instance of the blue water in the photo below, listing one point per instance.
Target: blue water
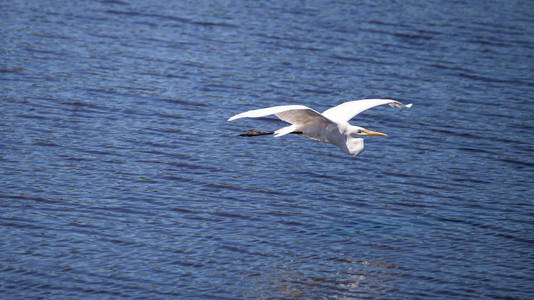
(120, 177)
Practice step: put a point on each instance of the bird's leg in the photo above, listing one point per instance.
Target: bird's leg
(253, 132)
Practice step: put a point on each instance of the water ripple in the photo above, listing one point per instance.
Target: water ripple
(121, 177)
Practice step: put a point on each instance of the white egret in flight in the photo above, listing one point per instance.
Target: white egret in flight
(331, 126)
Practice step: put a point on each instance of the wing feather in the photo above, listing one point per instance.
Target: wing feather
(348, 110)
(262, 112)
(294, 114)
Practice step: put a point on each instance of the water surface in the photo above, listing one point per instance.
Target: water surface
(120, 177)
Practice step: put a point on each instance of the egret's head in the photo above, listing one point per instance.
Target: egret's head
(357, 131)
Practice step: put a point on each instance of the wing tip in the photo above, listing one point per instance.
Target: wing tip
(398, 104)
(234, 117)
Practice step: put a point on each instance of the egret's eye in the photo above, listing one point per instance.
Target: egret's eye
(360, 131)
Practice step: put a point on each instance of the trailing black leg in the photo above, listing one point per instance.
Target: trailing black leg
(253, 132)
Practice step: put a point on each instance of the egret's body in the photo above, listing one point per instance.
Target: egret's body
(331, 126)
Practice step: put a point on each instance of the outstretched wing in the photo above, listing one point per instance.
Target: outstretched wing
(298, 115)
(348, 110)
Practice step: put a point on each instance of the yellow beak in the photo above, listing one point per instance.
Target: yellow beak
(369, 132)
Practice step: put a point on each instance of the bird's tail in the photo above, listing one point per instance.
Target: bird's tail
(279, 132)
(285, 130)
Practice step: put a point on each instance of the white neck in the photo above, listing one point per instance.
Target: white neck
(354, 146)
